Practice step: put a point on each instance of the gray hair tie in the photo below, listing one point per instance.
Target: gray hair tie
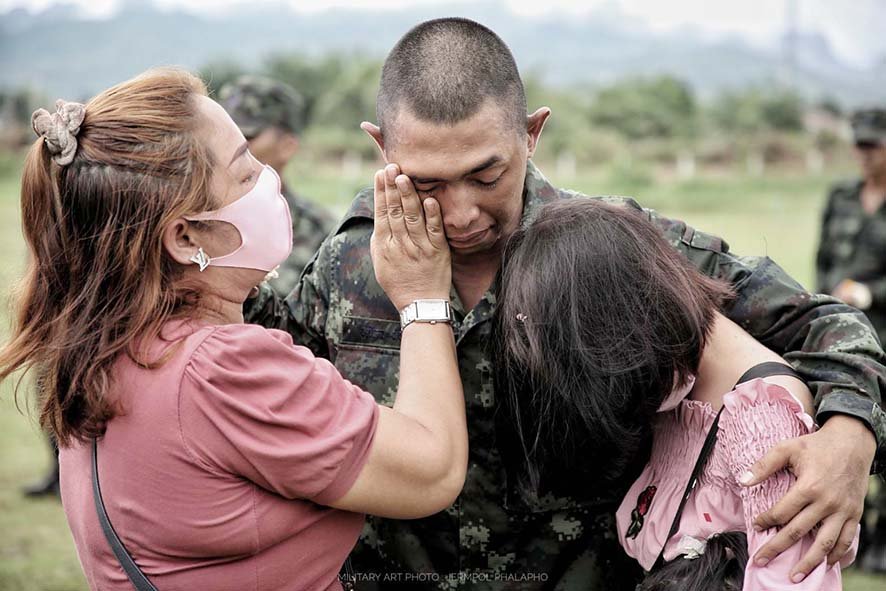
(59, 130)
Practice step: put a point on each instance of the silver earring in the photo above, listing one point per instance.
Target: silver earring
(200, 258)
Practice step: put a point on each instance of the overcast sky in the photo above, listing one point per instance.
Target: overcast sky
(855, 28)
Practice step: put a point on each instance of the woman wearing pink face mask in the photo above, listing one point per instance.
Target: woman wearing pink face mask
(198, 452)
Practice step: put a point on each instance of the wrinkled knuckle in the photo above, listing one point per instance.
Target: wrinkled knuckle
(809, 490)
(795, 535)
(827, 544)
(785, 446)
(412, 218)
(766, 520)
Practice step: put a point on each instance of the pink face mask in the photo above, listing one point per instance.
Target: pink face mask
(264, 222)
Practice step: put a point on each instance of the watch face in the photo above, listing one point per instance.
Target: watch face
(431, 309)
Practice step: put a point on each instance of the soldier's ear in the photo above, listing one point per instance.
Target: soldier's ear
(374, 132)
(535, 123)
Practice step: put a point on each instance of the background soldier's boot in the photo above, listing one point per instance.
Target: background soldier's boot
(49, 484)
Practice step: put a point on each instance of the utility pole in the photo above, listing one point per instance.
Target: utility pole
(790, 43)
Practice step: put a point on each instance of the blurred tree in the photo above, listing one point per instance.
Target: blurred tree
(568, 132)
(737, 112)
(312, 78)
(16, 106)
(661, 107)
(753, 110)
(350, 96)
(831, 105)
(217, 73)
(783, 111)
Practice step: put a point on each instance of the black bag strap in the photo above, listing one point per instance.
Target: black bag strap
(136, 576)
(350, 579)
(768, 369)
(761, 370)
(703, 456)
(138, 579)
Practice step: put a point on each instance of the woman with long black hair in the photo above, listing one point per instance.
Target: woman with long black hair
(611, 352)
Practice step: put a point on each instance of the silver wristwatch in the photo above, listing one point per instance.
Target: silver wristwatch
(430, 311)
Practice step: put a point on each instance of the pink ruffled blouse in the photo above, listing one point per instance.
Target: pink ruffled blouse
(757, 415)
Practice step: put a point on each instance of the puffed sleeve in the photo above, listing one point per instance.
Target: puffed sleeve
(254, 405)
(758, 416)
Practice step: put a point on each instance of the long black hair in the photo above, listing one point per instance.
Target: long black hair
(598, 318)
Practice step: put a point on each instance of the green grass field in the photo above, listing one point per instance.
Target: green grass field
(775, 215)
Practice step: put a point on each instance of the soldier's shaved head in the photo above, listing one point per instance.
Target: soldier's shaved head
(444, 70)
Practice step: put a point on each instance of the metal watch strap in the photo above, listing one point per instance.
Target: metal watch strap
(429, 311)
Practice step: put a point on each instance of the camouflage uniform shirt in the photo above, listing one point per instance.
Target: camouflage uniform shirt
(853, 246)
(492, 537)
(310, 225)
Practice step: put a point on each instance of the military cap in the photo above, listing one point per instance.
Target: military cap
(256, 103)
(869, 125)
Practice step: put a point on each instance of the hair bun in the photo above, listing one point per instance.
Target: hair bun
(59, 130)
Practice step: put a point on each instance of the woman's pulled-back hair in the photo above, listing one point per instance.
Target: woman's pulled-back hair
(98, 280)
(598, 319)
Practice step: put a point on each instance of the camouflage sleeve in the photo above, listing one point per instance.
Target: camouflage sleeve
(266, 309)
(831, 344)
(823, 255)
(303, 313)
(308, 304)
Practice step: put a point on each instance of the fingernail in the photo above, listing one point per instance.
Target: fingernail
(797, 577)
(746, 478)
(761, 561)
(758, 527)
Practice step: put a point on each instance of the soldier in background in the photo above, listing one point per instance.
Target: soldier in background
(851, 265)
(271, 116)
(48, 485)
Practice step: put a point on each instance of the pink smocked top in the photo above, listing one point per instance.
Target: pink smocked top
(756, 416)
(216, 474)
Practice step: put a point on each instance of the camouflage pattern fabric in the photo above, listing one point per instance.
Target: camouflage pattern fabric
(493, 537)
(256, 103)
(853, 246)
(310, 225)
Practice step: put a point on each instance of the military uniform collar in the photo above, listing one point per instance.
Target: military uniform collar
(537, 191)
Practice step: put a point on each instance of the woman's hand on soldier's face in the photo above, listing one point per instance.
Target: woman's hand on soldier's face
(409, 249)
(832, 468)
